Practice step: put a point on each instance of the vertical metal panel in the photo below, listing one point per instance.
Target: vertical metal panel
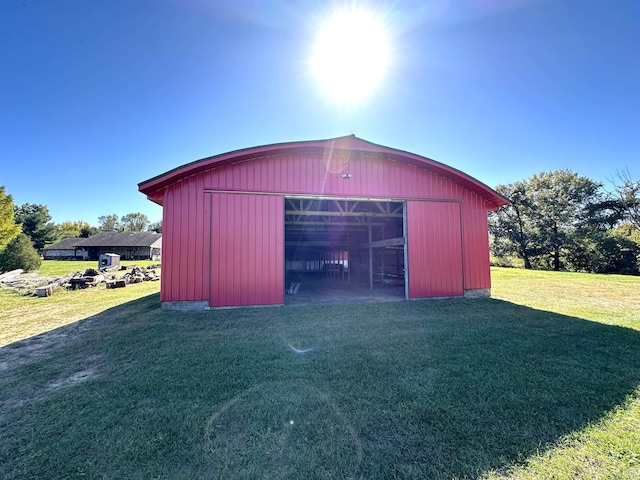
(311, 174)
(167, 255)
(434, 247)
(184, 251)
(247, 245)
(477, 272)
(183, 234)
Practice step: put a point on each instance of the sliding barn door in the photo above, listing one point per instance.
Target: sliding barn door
(247, 250)
(434, 248)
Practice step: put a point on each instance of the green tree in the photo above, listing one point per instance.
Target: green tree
(612, 251)
(544, 217)
(155, 227)
(627, 193)
(8, 227)
(19, 253)
(36, 223)
(87, 231)
(604, 215)
(617, 253)
(134, 222)
(109, 223)
(563, 200)
(72, 229)
(513, 227)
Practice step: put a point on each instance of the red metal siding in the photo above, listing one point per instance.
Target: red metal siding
(434, 244)
(249, 223)
(336, 153)
(309, 174)
(185, 252)
(247, 250)
(475, 234)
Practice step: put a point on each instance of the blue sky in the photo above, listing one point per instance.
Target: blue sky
(99, 95)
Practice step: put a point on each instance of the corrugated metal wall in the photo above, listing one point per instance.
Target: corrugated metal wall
(434, 246)
(247, 238)
(185, 234)
(314, 175)
(247, 250)
(475, 235)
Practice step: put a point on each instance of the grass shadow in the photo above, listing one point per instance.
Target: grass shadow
(426, 389)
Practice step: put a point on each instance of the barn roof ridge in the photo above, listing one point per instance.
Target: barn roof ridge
(347, 142)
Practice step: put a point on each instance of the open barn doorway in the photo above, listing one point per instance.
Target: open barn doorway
(344, 250)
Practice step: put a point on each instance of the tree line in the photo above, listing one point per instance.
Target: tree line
(25, 231)
(560, 220)
(556, 220)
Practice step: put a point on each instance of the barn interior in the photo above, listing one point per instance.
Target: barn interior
(344, 250)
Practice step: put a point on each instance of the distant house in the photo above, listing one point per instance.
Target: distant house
(66, 249)
(129, 245)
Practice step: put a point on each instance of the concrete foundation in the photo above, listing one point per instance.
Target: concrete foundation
(478, 293)
(185, 306)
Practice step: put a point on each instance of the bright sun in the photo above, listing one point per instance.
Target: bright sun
(350, 55)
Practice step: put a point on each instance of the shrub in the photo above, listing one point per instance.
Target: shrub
(511, 261)
(605, 252)
(583, 251)
(19, 253)
(617, 254)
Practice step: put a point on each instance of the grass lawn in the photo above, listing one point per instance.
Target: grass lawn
(62, 267)
(22, 317)
(539, 382)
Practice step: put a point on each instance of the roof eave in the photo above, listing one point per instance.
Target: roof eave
(153, 187)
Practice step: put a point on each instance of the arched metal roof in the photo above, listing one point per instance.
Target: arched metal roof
(350, 144)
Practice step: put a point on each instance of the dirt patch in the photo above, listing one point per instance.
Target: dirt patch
(74, 379)
(82, 367)
(32, 349)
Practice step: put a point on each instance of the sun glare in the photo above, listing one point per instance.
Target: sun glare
(350, 55)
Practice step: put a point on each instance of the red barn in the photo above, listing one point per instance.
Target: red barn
(246, 227)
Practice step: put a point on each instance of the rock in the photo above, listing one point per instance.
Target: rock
(116, 284)
(44, 291)
(11, 276)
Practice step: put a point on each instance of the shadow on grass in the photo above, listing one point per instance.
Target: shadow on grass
(432, 389)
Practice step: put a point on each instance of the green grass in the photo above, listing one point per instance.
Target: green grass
(56, 268)
(541, 382)
(610, 299)
(23, 316)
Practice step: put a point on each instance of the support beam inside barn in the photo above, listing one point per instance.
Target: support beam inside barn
(337, 247)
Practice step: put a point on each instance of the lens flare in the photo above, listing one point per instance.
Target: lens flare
(351, 55)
